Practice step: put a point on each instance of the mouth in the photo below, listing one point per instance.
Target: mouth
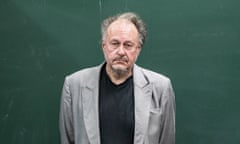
(120, 61)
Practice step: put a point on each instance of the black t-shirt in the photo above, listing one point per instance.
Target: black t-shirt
(116, 110)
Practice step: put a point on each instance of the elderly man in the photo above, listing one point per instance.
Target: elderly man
(118, 102)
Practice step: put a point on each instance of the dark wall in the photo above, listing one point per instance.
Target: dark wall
(195, 43)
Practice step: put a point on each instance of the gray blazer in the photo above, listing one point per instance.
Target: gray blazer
(154, 108)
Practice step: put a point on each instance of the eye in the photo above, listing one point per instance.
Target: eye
(115, 43)
(128, 45)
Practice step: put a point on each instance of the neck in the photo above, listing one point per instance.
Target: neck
(118, 77)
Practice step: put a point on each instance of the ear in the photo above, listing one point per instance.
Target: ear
(139, 49)
(103, 44)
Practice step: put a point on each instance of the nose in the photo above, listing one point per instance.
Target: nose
(121, 50)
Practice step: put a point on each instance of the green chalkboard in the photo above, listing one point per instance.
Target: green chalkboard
(195, 43)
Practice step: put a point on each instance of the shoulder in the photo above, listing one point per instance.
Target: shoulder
(161, 84)
(158, 81)
(153, 77)
(84, 75)
(84, 72)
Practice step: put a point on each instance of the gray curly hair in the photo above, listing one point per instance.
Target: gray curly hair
(131, 17)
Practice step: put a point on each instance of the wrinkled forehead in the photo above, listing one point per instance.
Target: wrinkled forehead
(122, 23)
(122, 27)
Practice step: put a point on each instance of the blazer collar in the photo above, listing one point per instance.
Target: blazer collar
(142, 95)
(90, 106)
(139, 78)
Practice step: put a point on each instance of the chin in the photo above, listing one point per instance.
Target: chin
(120, 68)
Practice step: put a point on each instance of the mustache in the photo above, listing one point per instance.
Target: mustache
(121, 58)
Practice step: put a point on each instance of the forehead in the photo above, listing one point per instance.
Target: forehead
(122, 28)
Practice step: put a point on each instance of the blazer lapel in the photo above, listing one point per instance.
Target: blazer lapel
(90, 107)
(142, 95)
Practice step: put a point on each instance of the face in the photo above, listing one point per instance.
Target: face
(121, 46)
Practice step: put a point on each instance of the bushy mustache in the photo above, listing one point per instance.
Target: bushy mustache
(121, 58)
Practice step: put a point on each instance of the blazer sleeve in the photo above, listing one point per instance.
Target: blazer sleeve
(167, 135)
(66, 116)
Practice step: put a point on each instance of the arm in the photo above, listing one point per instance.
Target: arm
(66, 116)
(167, 135)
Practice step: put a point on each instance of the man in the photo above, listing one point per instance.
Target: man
(118, 102)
